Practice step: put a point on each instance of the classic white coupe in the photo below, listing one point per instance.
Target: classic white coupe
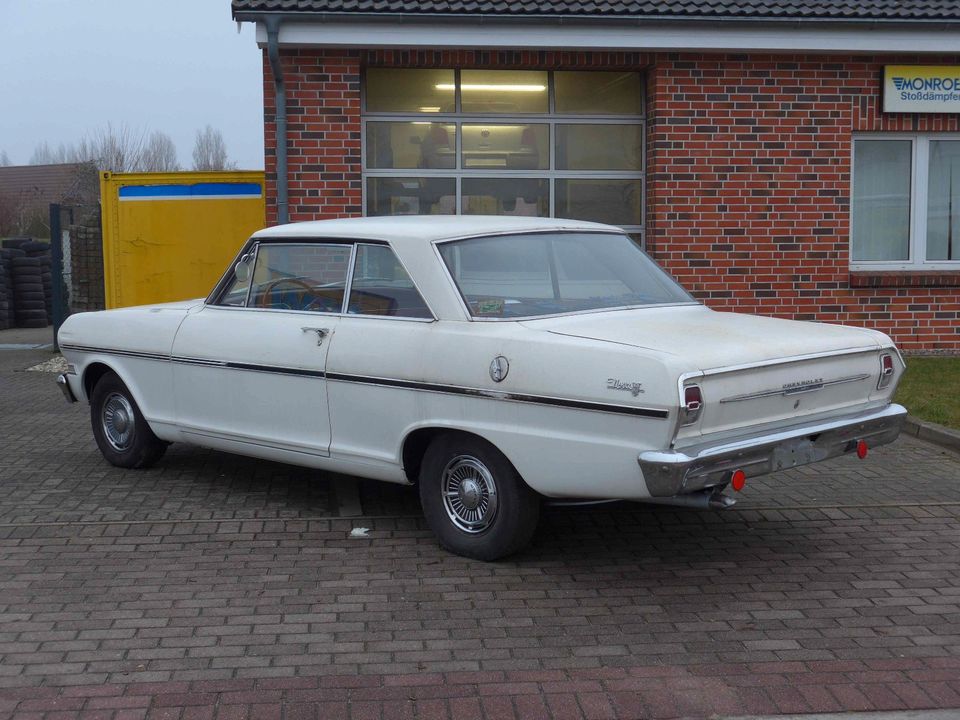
(491, 361)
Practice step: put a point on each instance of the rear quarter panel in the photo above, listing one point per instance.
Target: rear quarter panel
(560, 449)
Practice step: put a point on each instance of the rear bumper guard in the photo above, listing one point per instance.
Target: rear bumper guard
(678, 472)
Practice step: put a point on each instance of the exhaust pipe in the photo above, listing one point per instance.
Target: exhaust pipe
(710, 499)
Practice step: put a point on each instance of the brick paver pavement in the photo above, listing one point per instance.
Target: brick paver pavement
(218, 587)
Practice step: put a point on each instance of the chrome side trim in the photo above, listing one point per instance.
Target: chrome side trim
(112, 351)
(502, 395)
(570, 403)
(799, 390)
(249, 440)
(670, 472)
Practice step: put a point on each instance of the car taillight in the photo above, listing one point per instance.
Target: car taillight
(692, 405)
(886, 371)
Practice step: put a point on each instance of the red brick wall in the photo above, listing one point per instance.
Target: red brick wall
(748, 173)
(323, 131)
(749, 188)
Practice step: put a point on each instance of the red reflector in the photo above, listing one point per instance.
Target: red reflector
(887, 361)
(738, 480)
(862, 449)
(692, 398)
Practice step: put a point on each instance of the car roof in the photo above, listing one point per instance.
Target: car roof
(420, 228)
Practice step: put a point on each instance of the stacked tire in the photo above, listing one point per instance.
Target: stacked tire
(29, 282)
(7, 254)
(28, 300)
(41, 251)
(4, 298)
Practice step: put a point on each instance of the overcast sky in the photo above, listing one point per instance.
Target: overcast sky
(71, 66)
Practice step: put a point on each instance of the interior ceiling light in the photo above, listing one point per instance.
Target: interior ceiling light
(425, 108)
(496, 88)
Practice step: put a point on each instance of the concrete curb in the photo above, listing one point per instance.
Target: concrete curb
(894, 715)
(933, 433)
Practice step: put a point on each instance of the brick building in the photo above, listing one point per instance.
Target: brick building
(799, 159)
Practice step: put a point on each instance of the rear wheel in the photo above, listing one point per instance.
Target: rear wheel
(474, 500)
(123, 436)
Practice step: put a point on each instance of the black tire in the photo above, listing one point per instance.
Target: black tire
(38, 323)
(26, 262)
(500, 522)
(111, 405)
(32, 296)
(24, 314)
(18, 291)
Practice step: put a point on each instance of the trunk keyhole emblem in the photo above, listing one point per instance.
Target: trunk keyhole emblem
(796, 404)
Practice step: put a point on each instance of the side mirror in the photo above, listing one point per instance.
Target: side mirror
(242, 269)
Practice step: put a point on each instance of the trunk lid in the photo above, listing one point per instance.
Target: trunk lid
(752, 370)
(709, 339)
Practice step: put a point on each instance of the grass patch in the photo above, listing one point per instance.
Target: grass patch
(930, 389)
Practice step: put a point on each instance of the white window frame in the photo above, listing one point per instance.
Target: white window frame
(551, 118)
(919, 179)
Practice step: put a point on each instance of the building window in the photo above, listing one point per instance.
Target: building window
(905, 212)
(504, 142)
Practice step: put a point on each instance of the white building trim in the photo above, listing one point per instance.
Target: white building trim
(626, 35)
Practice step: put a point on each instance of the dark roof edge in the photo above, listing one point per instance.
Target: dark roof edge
(385, 17)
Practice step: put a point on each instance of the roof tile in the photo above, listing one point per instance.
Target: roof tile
(774, 9)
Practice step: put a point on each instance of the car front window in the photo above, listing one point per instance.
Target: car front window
(305, 277)
(517, 276)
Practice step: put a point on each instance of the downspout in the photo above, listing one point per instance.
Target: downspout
(280, 103)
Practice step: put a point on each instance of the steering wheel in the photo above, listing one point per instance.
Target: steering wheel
(303, 290)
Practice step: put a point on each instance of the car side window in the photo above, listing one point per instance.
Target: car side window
(305, 277)
(381, 286)
(235, 294)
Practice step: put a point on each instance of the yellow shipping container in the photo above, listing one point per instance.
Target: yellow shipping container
(169, 236)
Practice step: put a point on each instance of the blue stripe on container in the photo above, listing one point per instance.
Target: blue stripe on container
(198, 190)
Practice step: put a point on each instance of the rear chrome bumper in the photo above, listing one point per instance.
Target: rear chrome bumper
(65, 387)
(678, 472)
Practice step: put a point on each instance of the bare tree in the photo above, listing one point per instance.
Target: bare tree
(4, 159)
(209, 151)
(118, 149)
(43, 154)
(159, 154)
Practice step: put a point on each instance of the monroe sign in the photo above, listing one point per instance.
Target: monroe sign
(921, 88)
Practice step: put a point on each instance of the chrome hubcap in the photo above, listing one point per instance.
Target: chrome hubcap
(469, 494)
(117, 421)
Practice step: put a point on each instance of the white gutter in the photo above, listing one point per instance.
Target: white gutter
(639, 37)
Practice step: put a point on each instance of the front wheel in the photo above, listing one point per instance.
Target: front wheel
(123, 436)
(474, 500)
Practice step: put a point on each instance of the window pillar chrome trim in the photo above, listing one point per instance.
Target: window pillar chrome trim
(348, 283)
(253, 270)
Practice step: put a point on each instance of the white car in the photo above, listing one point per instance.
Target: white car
(492, 361)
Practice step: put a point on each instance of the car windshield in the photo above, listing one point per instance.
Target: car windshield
(518, 276)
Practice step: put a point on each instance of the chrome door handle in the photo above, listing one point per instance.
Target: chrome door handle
(321, 333)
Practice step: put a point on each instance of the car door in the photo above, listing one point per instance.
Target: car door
(376, 364)
(249, 368)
